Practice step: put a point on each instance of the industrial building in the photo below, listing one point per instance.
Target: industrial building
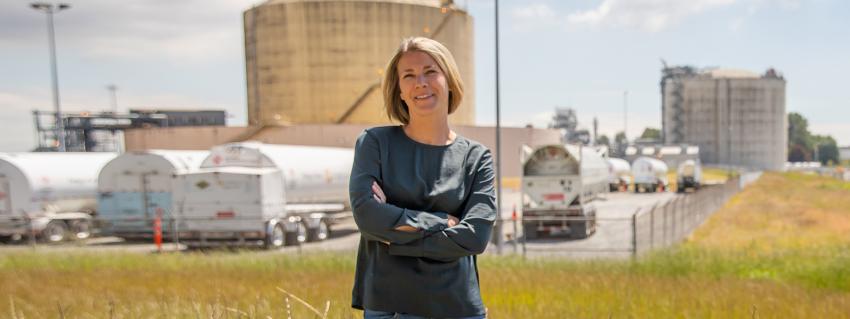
(321, 62)
(736, 117)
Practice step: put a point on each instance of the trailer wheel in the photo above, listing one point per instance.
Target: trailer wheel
(81, 229)
(55, 231)
(297, 237)
(277, 237)
(319, 233)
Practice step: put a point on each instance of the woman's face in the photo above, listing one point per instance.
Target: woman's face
(423, 85)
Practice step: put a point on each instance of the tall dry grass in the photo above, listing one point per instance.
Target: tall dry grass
(739, 265)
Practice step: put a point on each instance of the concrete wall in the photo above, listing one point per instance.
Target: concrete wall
(734, 121)
(309, 61)
(201, 138)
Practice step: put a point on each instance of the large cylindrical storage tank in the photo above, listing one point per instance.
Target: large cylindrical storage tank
(321, 61)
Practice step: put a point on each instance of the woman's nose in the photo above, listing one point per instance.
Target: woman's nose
(421, 81)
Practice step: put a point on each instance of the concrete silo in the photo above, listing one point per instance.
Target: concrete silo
(735, 117)
(321, 61)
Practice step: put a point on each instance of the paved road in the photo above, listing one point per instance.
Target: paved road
(613, 237)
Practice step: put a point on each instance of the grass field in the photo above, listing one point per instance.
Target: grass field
(779, 249)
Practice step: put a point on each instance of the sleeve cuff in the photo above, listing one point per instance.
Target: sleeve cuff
(429, 222)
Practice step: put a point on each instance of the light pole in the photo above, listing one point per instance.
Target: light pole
(49, 9)
(499, 223)
(112, 93)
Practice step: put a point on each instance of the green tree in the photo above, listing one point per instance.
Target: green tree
(826, 149)
(799, 139)
(651, 133)
(603, 140)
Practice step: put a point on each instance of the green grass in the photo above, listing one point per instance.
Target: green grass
(779, 249)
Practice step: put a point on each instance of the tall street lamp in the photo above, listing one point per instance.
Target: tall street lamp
(50, 9)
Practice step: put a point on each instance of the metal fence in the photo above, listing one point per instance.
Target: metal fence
(643, 229)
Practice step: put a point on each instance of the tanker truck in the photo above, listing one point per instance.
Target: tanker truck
(619, 174)
(135, 186)
(269, 195)
(51, 196)
(559, 186)
(650, 175)
(688, 175)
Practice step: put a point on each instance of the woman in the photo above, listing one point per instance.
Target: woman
(422, 196)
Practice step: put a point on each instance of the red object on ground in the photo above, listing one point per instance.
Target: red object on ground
(157, 229)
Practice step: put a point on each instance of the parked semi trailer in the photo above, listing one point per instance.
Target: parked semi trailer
(559, 186)
(135, 186)
(688, 175)
(51, 196)
(272, 195)
(619, 174)
(650, 175)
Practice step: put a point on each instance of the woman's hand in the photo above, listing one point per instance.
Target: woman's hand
(379, 196)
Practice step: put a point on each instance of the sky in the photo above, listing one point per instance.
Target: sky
(582, 54)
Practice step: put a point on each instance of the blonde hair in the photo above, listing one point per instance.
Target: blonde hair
(395, 106)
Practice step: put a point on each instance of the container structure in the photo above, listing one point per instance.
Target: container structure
(136, 186)
(736, 117)
(51, 194)
(688, 176)
(559, 184)
(322, 61)
(619, 174)
(254, 193)
(650, 175)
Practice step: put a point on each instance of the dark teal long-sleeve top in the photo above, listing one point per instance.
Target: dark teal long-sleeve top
(432, 272)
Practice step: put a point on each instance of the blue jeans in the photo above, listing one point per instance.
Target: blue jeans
(372, 314)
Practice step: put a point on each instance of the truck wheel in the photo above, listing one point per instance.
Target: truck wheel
(579, 230)
(81, 229)
(297, 237)
(319, 233)
(55, 231)
(277, 238)
(530, 230)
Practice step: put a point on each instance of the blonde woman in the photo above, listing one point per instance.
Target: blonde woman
(422, 196)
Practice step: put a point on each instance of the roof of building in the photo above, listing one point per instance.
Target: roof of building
(431, 3)
(732, 74)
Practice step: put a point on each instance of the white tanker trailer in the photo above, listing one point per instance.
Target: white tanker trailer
(254, 193)
(134, 185)
(688, 175)
(52, 195)
(559, 185)
(619, 174)
(650, 175)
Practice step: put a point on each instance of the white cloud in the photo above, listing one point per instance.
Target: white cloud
(534, 15)
(191, 31)
(646, 15)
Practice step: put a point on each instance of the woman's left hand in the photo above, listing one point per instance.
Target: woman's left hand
(379, 196)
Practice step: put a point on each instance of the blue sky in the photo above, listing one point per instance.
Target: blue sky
(582, 54)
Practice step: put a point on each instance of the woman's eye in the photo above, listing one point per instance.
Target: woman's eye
(407, 76)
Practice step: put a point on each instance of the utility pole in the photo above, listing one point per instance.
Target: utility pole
(112, 90)
(499, 235)
(626, 114)
(50, 9)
